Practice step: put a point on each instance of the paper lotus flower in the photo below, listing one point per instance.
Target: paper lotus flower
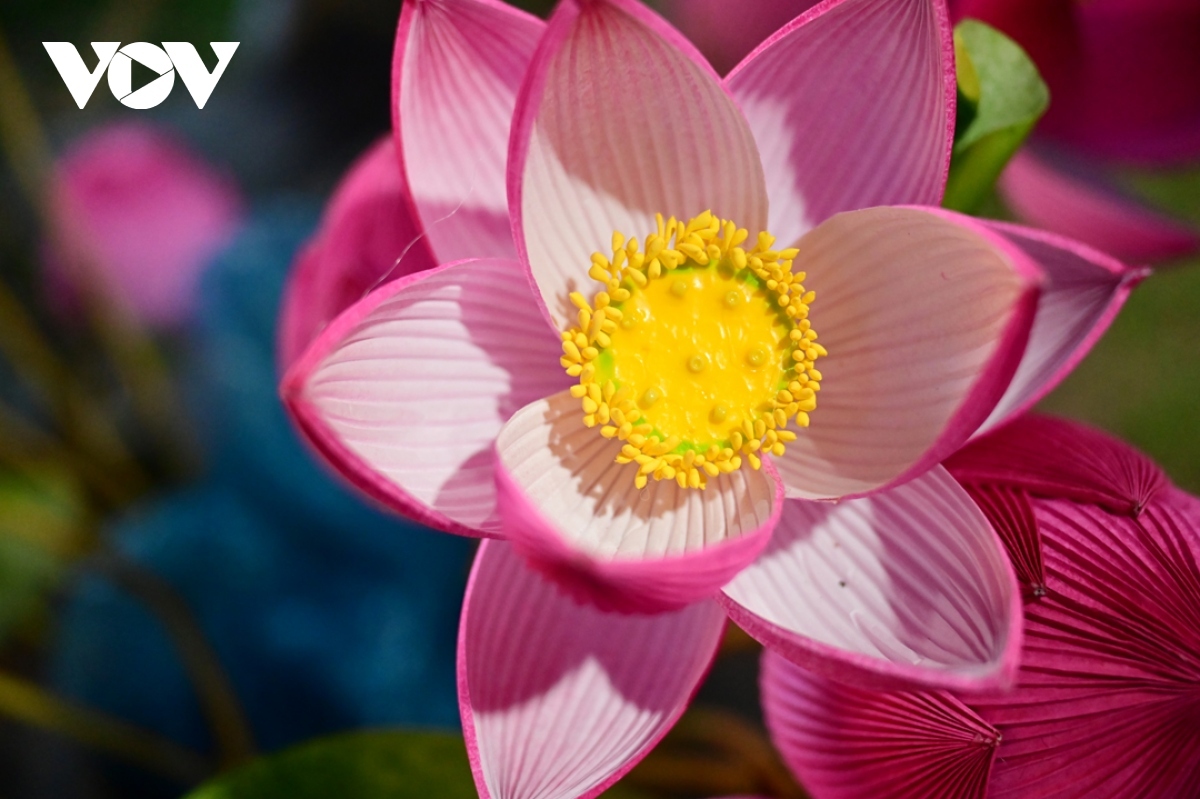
(533, 154)
(137, 217)
(1107, 702)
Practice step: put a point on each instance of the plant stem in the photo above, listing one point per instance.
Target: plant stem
(231, 733)
(26, 701)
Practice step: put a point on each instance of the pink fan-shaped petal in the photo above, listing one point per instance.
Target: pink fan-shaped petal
(620, 119)
(1043, 194)
(405, 392)
(908, 585)
(845, 742)
(368, 237)
(576, 514)
(852, 106)
(1083, 292)
(1062, 459)
(458, 67)
(559, 699)
(1116, 637)
(925, 315)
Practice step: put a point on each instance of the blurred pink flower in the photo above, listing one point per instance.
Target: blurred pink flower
(725, 31)
(1107, 702)
(1123, 87)
(136, 216)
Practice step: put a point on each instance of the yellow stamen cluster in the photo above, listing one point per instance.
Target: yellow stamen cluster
(704, 242)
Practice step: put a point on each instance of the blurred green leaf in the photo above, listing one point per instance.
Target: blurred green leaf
(363, 765)
(1001, 97)
(42, 523)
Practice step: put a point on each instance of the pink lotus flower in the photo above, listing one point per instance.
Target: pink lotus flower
(1107, 702)
(450, 394)
(137, 217)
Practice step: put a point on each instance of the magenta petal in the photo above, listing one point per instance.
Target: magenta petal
(458, 66)
(367, 237)
(405, 392)
(925, 315)
(1083, 292)
(907, 586)
(578, 517)
(559, 699)
(1057, 458)
(852, 106)
(620, 119)
(845, 742)
(726, 32)
(1108, 702)
(1082, 208)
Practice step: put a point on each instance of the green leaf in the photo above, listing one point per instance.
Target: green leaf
(42, 523)
(1001, 97)
(363, 765)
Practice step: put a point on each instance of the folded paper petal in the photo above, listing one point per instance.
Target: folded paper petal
(457, 69)
(620, 119)
(925, 315)
(368, 237)
(1043, 193)
(845, 742)
(1082, 294)
(1058, 458)
(559, 699)
(1115, 637)
(852, 106)
(405, 392)
(577, 515)
(910, 585)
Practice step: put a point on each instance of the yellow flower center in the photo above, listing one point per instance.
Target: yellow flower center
(697, 352)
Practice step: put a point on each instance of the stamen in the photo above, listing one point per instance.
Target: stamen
(697, 352)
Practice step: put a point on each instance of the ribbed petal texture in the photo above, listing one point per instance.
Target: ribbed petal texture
(617, 124)
(925, 317)
(578, 516)
(458, 67)
(368, 237)
(1083, 292)
(1108, 704)
(908, 585)
(406, 391)
(852, 106)
(559, 699)
(851, 743)
(1057, 458)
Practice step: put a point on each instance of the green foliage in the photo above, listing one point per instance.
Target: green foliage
(41, 518)
(1001, 97)
(363, 765)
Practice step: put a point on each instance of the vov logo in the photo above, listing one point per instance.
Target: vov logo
(164, 61)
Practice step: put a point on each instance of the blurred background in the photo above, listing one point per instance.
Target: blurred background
(181, 585)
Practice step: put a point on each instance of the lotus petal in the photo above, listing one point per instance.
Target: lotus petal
(579, 518)
(559, 699)
(620, 119)
(458, 67)
(405, 392)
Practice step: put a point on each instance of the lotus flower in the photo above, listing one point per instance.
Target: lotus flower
(1107, 702)
(137, 217)
(481, 396)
